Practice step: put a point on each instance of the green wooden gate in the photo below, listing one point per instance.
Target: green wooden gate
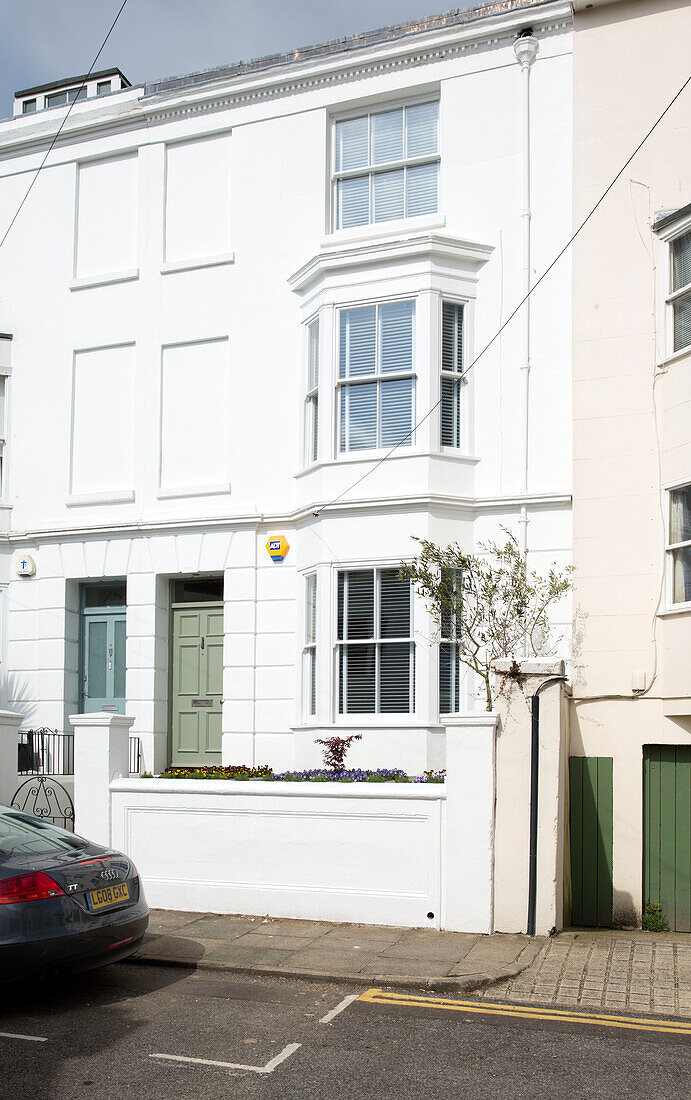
(590, 788)
(667, 832)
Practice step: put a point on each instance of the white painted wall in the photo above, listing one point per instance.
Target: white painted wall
(189, 312)
(363, 853)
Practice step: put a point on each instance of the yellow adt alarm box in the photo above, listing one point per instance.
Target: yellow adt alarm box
(277, 547)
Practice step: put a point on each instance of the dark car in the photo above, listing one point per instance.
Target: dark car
(64, 902)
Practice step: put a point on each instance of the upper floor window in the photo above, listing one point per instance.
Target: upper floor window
(28, 106)
(451, 373)
(103, 87)
(376, 376)
(386, 165)
(680, 297)
(376, 652)
(310, 646)
(312, 397)
(59, 99)
(679, 546)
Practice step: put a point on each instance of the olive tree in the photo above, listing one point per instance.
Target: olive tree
(489, 603)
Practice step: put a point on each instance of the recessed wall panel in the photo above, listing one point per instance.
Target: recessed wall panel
(194, 415)
(197, 199)
(102, 420)
(106, 216)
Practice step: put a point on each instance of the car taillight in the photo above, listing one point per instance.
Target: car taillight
(34, 887)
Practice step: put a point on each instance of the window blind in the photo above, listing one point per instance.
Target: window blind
(377, 386)
(681, 277)
(376, 659)
(397, 151)
(451, 370)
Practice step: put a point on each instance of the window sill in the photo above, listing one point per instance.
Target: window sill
(381, 230)
(678, 609)
(105, 280)
(193, 491)
(117, 496)
(674, 358)
(353, 457)
(195, 265)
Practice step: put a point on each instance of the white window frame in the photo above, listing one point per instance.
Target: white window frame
(457, 377)
(672, 547)
(311, 414)
(5, 374)
(379, 377)
(669, 234)
(309, 651)
(682, 294)
(376, 716)
(389, 166)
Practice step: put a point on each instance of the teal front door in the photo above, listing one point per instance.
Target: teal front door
(197, 684)
(103, 660)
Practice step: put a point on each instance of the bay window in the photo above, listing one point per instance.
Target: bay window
(312, 397)
(679, 546)
(680, 297)
(376, 652)
(310, 646)
(386, 165)
(451, 373)
(376, 376)
(449, 656)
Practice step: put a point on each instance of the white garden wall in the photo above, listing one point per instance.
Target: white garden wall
(370, 853)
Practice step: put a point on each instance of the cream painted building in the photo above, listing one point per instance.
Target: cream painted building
(632, 463)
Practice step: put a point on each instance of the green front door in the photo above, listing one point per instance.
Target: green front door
(667, 832)
(197, 684)
(103, 660)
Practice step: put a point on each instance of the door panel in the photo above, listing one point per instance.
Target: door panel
(667, 832)
(591, 828)
(197, 685)
(104, 660)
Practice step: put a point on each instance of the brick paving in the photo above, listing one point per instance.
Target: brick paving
(631, 971)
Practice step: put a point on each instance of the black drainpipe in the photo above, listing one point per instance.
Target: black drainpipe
(534, 781)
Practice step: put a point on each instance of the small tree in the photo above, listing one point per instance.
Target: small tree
(489, 603)
(335, 749)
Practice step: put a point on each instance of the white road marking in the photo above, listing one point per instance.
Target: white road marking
(341, 1007)
(28, 1038)
(268, 1068)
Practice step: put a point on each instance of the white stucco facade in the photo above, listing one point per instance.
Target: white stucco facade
(158, 287)
(632, 445)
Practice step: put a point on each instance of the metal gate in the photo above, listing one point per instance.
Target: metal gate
(44, 797)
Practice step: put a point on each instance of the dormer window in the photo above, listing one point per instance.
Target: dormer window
(59, 99)
(28, 106)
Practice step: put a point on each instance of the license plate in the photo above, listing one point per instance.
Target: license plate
(108, 895)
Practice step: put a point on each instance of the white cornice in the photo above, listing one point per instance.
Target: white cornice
(467, 255)
(390, 56)
(298, 517)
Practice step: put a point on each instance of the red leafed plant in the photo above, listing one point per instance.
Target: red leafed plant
(335, 749)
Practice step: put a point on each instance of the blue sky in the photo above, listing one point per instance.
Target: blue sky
(43, 40)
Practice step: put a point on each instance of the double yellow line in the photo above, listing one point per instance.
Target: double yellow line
(525, 1012)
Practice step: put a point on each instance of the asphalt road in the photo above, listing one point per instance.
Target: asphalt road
(105, 1035)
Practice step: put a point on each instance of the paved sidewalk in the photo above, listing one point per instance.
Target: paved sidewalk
(618, 971)
(344, 952)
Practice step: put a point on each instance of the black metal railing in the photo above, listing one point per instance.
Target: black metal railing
(45, 752)
(135, 756)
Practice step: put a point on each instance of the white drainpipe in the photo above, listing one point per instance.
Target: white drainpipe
(525, 49)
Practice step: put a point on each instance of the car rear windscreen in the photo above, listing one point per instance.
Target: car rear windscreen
(24, 836)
